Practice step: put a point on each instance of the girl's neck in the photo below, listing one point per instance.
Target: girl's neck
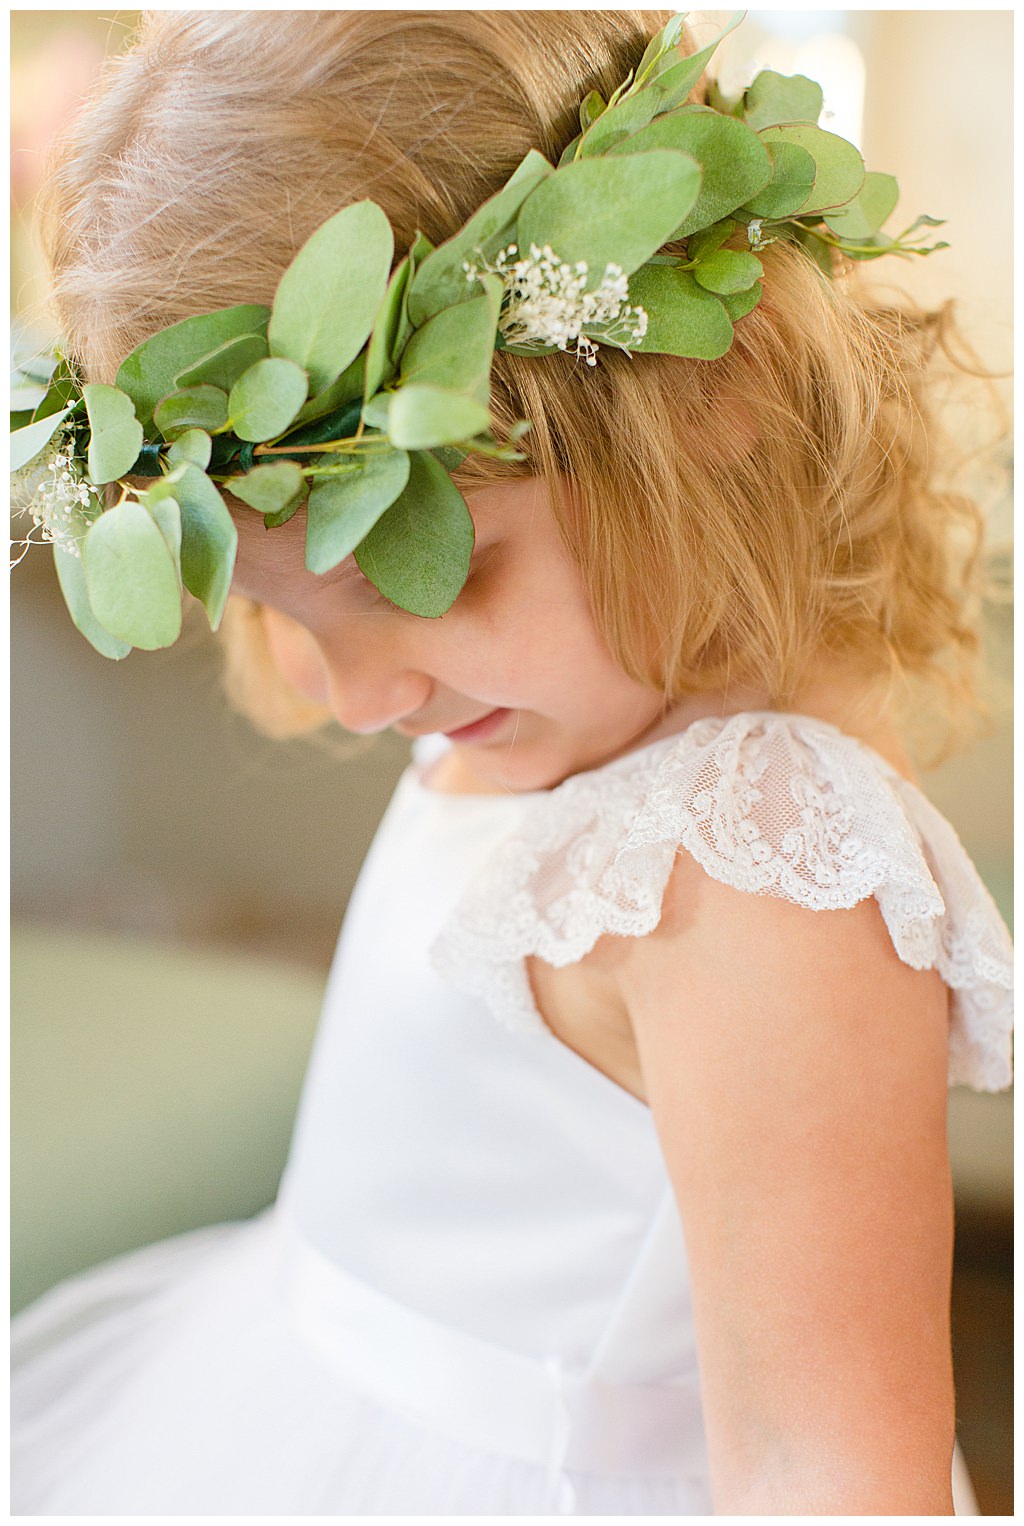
(845, 699)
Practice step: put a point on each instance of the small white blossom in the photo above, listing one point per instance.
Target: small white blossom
(57, 496)
(546, 302)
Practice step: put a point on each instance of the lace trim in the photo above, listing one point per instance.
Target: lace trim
(769, 803)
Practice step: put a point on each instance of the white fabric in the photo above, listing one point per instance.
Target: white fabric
(772, 804)
(472, 1296)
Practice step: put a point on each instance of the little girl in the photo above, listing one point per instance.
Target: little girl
(619, 1184)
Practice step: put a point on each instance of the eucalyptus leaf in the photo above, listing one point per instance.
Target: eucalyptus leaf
(591, 108)
(617, 125)
(864, 215)
(326, 300)
(345, 389)
(664, 41)
(193, 446)
(209, 541)
(420, 417)
(342, 510)
(455, 348)
(269, 489)
(619, 210)
(271, 521)
(774, 98)
(71, 577)
(440, 280)
(27, 442)
(62, 389)
(734, 163)
(737, 305)
(420, 250)
(167, 517)
(115, 433)
(266, 398)
(224, 365)
(683, 318)
(792, 182)
(701, 244)
(728, 271)
(418, 552)
(202, 407)
(130, 577)
(839, 168)
(150, 372)
(672, 78)
(380, 364)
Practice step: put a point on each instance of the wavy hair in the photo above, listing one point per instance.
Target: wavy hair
(734, 521)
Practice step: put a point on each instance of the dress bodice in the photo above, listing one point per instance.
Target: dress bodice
(451, 1152)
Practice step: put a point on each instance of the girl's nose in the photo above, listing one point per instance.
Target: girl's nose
(368, 692)
(374, 705)
(367, 687)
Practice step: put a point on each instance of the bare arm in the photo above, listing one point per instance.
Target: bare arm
(796, 1069)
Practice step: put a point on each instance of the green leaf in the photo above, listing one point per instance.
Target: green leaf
(150, 372)
(701, 244)
(116, 434)
(209, 540)
(728, 271)
(194, 445)
(269, 489)
(419, 417)
(672, 78)
(616, 210)
(455, 348)
(347, 387)
(440, 280)
(663, 42)
(682, 318)
(418, 253)
(62, 389)
(617, 125)
(224, 365)
(191, 408)
(167, 517)
(864, 215)
(71, 577)
(418, 552)
(591, 108)
(342, 510)
(737, 305)
(774, 98)
(27, 442)
(327, 298)
(734, 162)
(271, 521)
(380, 364)
(839, 168)
(793, 172)
(265, 399)
(131, 579)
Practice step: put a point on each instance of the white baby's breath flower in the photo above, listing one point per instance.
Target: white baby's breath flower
(54, 496)
(546, 302)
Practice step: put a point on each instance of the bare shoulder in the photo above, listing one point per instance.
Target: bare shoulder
(796, 1071)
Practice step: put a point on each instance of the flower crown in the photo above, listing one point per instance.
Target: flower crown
(360, 390)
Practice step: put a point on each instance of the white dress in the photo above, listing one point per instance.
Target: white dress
(471, 1296)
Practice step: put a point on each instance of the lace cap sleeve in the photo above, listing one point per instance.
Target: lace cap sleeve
(769, 803)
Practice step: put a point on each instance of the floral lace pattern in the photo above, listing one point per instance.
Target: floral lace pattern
(770, 803)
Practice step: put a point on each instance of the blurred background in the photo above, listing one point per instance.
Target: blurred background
(151, 859)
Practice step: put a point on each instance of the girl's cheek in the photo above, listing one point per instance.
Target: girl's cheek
(295, 655)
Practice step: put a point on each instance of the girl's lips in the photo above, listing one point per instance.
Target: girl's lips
(477, 730)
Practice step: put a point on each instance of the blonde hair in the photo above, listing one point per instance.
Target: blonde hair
(734, 521)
